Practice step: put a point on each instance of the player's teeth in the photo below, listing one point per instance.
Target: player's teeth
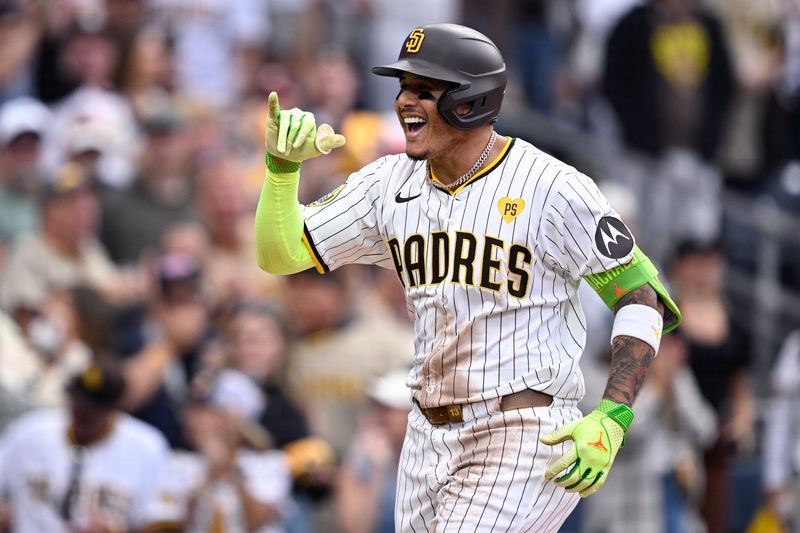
(414, 120)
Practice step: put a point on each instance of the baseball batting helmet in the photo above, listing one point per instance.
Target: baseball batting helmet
(461, 56)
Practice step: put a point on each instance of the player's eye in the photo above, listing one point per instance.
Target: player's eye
(426, 95)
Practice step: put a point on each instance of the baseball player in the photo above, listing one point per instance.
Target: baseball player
(490, 238)
(90, 469)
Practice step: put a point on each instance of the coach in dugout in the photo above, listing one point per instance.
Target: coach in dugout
(89, 468)
(490, 238)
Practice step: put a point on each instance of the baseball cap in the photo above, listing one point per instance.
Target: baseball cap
(390, 390)
(231, 391)
(69, 179)
(101, 383)
(89, 134)
(162, 114)
(236, 393)
(22, 115)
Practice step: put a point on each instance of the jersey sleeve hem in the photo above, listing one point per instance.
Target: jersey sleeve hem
(316, 257)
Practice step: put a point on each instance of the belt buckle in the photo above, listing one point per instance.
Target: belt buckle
(454, 413)
(442, 415)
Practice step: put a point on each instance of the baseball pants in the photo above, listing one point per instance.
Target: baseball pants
(485, 474)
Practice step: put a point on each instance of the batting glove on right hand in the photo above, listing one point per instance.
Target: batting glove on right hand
(598, 437)
(292, 135)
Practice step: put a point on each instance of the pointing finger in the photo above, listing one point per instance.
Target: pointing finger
(274, 106)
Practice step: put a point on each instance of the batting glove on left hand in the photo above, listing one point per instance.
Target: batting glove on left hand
(292, 135)
(598, 436)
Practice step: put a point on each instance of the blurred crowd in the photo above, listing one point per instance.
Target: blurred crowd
(131, 162)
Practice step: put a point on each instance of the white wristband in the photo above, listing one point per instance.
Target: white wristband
(640, 321)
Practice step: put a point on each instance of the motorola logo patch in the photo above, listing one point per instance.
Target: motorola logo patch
(613, 238)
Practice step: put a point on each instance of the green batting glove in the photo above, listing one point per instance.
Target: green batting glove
(598, 436)
(292, 137)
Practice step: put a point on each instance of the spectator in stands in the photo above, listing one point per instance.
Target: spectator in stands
(20, 32)
(335, 352)
(22, 123)
(332, 88)
(669, 80)
(230, 482)
(257, 344)
(781, 456)
(668, 77)
(134, 220)
(256, 340)
(95, 127)
(754, 31)
(720, 367)
(230, 260)
(367, 480)
(124, 20)
(65, 251)
(145, 72)
(90, 467)
(177, 332)
(38, 353)
(216, 48)
(89, 58)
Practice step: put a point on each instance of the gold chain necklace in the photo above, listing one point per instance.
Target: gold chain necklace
(471, 172)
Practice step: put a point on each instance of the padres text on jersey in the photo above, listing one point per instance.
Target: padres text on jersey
(490, 271)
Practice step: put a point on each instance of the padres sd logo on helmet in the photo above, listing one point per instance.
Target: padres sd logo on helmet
(414, 41)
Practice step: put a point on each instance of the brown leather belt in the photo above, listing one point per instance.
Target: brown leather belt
(518, 400)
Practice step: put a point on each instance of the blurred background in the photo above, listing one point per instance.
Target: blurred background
(131, 161)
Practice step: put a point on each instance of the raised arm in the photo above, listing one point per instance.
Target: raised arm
(291, 137)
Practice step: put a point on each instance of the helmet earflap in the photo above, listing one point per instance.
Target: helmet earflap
(483, 108)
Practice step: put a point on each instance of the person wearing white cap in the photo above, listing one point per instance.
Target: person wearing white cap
(22, 123)
(366, 484)
(228, 481)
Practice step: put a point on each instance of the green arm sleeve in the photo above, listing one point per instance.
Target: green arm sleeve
(613, 284)
(279, 225)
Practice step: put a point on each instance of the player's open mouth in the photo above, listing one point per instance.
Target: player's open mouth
(414, 125)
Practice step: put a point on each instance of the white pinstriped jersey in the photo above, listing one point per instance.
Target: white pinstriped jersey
(491, 270)
(123, 479)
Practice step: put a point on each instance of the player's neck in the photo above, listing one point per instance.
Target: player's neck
(452, 165)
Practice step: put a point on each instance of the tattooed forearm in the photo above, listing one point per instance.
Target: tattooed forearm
(631, 357)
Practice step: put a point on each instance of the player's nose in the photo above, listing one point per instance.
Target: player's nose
(406, 98)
